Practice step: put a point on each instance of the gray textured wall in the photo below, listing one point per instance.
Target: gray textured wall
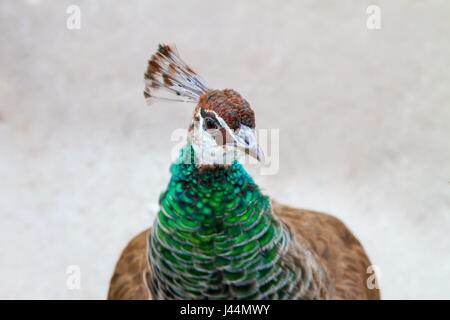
(364, 119)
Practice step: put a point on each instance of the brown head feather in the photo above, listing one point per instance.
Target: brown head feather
(230, 106)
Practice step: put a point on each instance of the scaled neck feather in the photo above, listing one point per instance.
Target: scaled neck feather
(215, 237)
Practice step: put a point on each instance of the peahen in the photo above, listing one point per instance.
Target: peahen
(216, 236)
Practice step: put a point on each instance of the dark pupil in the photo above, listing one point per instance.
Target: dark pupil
(210, 124)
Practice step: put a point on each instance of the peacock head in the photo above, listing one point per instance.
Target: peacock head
(223, 124)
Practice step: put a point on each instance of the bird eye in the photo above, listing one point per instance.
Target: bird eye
(210, 124)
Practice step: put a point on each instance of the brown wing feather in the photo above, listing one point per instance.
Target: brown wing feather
(129, 279)
(336, 248)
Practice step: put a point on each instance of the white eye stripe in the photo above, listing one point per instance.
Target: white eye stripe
(223, 124)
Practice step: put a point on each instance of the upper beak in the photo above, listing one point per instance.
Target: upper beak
(256, 152)
(245, 140)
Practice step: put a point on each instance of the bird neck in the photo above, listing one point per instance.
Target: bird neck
(215, 237)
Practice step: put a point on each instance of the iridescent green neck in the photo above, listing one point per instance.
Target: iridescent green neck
(215, 237)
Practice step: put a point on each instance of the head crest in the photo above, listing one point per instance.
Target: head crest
(171, 79)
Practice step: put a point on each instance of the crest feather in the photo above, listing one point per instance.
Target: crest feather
(171, 78)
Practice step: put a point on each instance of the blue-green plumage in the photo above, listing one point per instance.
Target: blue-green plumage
(215, 236)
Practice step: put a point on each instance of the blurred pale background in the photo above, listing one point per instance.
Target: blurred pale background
(364, 119)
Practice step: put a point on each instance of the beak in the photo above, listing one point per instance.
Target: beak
(245, 141)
